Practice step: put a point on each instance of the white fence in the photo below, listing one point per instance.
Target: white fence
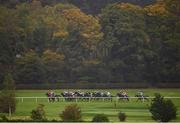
(88, 98)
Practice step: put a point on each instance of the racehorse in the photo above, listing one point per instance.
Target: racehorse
(142, 97)
(68, 96)
(52, 96)
(122, 97)
(86, 96)
(108, 96)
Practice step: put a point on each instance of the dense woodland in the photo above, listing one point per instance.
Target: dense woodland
(51, 41)
(87, 6)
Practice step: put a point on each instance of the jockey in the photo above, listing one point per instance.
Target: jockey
(48, 93)
(65, 92)
(108, 94)
(124, 93)
(141, 93)
(51, 93)
(121, 92)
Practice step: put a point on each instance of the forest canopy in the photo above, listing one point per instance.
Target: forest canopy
(51, 41)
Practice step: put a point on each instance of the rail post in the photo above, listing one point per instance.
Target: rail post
(48, 99)
(22, 100)
(76, 99)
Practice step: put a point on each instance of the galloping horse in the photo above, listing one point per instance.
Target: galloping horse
(52, 96)
(142, 97)
(122, 96)
(68, 96)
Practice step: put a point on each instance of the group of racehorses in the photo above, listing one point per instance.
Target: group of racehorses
(95, 95)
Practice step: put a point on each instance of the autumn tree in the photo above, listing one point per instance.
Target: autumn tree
(54, 66)
(81, 42)
(163, 29)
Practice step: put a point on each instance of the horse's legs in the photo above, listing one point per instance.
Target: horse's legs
(143, 98)
(146, 99)
(138, 99)
(57, 98)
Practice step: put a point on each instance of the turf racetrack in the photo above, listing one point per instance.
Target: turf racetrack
(135, 111)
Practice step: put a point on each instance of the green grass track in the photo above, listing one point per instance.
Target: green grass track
(136, 111)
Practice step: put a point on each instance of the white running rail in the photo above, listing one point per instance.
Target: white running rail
(89, 98)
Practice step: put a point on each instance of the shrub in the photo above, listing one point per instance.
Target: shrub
(162, 110)
(38, 114)
(3, 118)
(71, 113)
(100, 118)
(122, 116)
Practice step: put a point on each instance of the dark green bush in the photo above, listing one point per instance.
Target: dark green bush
(38, 114)
(162, 110)
(3, 118)
(122, 116)
(100, 118)
(71, 113)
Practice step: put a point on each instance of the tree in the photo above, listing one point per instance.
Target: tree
(9, 40)
(7, 95)
(162, 110)
(30, 69)
(83, 37)
(54, 66)
(162, 26)
(89, 7)
(125, 43)
(83, 32)
(173, 6)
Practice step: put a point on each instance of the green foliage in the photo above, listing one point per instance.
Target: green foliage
(3, 118)
(54, 66)
(125, 41)
(7, 103)
(122, 116)
(7, 96)
(30, 69)
(100, 118)
(10, 34)
(162, 28)
(89, 7)
(47, 41)
(71, 113)
(8, 84)
(173, 6)
(162, 110)
(38, 114)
